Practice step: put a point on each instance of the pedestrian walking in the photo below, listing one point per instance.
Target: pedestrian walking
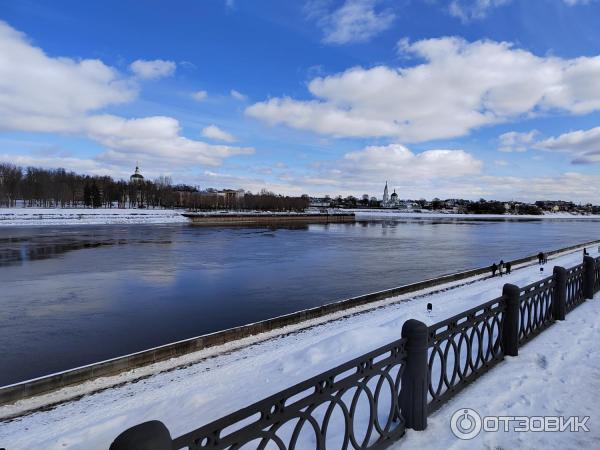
(540, 258)
(494, 268)
(585, 253)
(501, 267)
(508, 267)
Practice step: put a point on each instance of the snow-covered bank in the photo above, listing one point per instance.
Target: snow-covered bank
(396, 214)
(106, 216)
(83, 216)
(196, 394)
(556, 374)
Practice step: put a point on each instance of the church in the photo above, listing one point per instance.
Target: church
(136, 177)
(389, 201)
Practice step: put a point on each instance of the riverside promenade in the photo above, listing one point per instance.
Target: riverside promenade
(208, 385)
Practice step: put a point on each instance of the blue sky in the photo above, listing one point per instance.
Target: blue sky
(465, 98)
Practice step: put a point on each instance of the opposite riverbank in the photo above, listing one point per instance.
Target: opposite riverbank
(11, 217)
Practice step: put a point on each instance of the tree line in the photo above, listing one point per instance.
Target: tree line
(47, 188)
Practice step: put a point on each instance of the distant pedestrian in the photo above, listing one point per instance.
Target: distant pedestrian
(544, 258)
(508, 267)
(501, 267)
(540, 258)
(494, 268)
(585, 253)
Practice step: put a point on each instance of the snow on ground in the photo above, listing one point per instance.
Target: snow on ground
(399, 214)
(105, 216)
(190, 396)
(83, 216)
(555, 374)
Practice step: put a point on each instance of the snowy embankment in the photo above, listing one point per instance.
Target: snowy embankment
(222, 380)
(556, 374)
(83, 216)
(399, 214)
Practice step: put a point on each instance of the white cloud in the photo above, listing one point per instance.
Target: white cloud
(40, 93)
(200, 95)
(43, 94)
(154, 69)
(156, 138)
(468, 10)
(584, 145)
(460, 86)
(432, 173)
(214, 132)
(501, 162)
(517, 142)
(366, 169)
(354, 21)
(237, 95)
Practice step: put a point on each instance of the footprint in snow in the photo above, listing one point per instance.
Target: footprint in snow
(542, 362)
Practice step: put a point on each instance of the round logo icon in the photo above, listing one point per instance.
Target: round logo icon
(465, 424)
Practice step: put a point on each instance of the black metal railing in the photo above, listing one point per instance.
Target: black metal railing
(597, 274)
(369, 402)
(361, 397)
(535, 308)
(575, 295)
(462, 348)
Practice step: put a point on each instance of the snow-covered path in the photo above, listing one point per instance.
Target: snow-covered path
(188, 397)
(556, 374)
(11, 217)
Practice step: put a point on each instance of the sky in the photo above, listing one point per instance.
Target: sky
(497, 99)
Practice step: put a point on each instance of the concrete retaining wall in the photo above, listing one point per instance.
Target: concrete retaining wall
(264, 219)
(25, 389)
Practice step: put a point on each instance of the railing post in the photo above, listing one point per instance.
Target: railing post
(559, 304)
(152, 435)
(589, 276)
(415, 379)
(510, 327)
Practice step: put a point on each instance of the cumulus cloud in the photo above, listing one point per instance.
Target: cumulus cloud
(366, 169)
(200, 95)
(155, 138)
(45, 94)
(40, 93)
(584, 145)
(154, 69)
(458, 87)
(517, 142)
(214, 132)
(237, 95)
(353, 21)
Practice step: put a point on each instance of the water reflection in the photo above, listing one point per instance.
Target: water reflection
(75, 295)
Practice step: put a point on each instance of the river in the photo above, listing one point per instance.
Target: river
(73, 295)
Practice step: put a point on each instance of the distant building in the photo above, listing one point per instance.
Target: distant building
(390, 201)
(386, 198)
(137, 177)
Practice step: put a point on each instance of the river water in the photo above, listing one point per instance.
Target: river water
(73, 295)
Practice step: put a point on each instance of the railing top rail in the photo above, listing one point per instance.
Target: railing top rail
(325, 379)
(538, 284)
(575, 269)
(470, 312)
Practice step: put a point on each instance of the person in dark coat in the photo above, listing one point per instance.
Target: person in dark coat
(540, 258)
(585, 253)
(494, 268)
(508, 267)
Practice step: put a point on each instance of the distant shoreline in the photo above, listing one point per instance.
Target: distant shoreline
(16, 217)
